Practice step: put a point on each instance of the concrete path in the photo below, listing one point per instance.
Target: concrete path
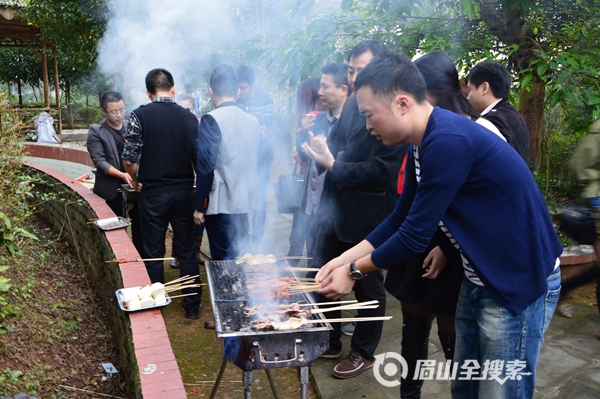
(569, 365)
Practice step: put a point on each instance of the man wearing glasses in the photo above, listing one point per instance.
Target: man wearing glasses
(105, 144)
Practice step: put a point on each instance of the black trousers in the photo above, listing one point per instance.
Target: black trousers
(156, 212)
(367, 334)
(116, 205)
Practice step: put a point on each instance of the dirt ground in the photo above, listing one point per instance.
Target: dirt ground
(56, 336)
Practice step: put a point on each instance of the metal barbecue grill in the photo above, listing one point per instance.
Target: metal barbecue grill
(252, 349)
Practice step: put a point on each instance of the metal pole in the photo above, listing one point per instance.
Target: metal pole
(218, 381)
(303, 381)
(247, 384)
(272, 382)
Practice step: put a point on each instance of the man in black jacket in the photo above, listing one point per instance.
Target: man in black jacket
(168, 133)
(489, 84)
(359, 193)
(333, 92)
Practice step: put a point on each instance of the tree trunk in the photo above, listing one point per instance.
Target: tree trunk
(507, 25)
(69, 105)
(19, 91)
(531, 106)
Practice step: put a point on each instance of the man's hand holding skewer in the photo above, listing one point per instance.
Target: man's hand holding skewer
(318, 150)
(335, 275)
(335, 282)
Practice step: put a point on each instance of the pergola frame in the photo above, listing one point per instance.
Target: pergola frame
(14, 32)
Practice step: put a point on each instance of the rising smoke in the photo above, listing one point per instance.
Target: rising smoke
(186, 37)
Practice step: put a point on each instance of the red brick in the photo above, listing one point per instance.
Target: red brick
(176, 394)
(149, 339)
(162, 387)
(147, 321)
(160, 375)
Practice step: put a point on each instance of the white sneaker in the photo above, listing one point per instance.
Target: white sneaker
(348, 329)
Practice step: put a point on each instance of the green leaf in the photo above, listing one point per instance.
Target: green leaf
(594, 100)
(574, 35)
(525, 81)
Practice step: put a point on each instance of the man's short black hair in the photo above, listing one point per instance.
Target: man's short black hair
(338, 72)
(110, 97)
(159, 79)
(495, 74)
(391, 74)
(376, 48)
(246, 74)
(224, 81)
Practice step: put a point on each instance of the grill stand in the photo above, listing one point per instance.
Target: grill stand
(259, 360)
(248, 382)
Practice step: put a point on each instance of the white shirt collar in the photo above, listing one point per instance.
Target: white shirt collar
(489, 108)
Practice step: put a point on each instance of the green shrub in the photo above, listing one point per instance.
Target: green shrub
(554, 177)
(89, 115)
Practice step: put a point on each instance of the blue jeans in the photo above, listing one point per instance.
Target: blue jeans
(227, 235)
(505, 347)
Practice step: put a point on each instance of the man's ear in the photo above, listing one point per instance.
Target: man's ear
(400, 102)
(172, 91)
(150, 95)
(485, 87)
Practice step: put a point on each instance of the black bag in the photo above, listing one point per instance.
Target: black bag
(289, 191)
(577, 221)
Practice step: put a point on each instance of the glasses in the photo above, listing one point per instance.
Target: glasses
(116, 112)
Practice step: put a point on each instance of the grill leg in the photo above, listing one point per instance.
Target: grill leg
(272, 382)
(247, 384)
(303, 381)
(219, 377)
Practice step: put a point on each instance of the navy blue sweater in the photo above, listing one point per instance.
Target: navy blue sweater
(485, 194)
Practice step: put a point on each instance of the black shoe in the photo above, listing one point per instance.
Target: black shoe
(193, 314)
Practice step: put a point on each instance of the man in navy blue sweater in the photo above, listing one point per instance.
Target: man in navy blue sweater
(496, 226)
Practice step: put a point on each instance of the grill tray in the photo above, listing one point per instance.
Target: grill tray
(228, 284)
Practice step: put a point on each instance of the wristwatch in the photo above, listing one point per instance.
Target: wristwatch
(354, 272)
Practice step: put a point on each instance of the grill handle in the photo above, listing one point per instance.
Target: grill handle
(296, 356)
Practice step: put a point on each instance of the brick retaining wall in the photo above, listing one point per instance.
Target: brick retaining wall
(141, 338)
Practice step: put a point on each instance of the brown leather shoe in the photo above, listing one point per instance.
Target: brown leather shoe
(210, 324)
(352, 366)
(331, 354)
(174, 263)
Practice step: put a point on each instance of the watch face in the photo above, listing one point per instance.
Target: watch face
(356, 274)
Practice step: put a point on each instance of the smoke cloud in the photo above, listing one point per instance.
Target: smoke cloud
(186, 37)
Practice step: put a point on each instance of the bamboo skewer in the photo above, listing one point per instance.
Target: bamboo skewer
(360, 305)
(334, 302)
(343, 308)
(135, 260)
(349, 319)
(179, 296)
(183, 286)
(187, 277)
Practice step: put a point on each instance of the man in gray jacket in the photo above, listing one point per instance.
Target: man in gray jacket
(227, 168)
(105, 145)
